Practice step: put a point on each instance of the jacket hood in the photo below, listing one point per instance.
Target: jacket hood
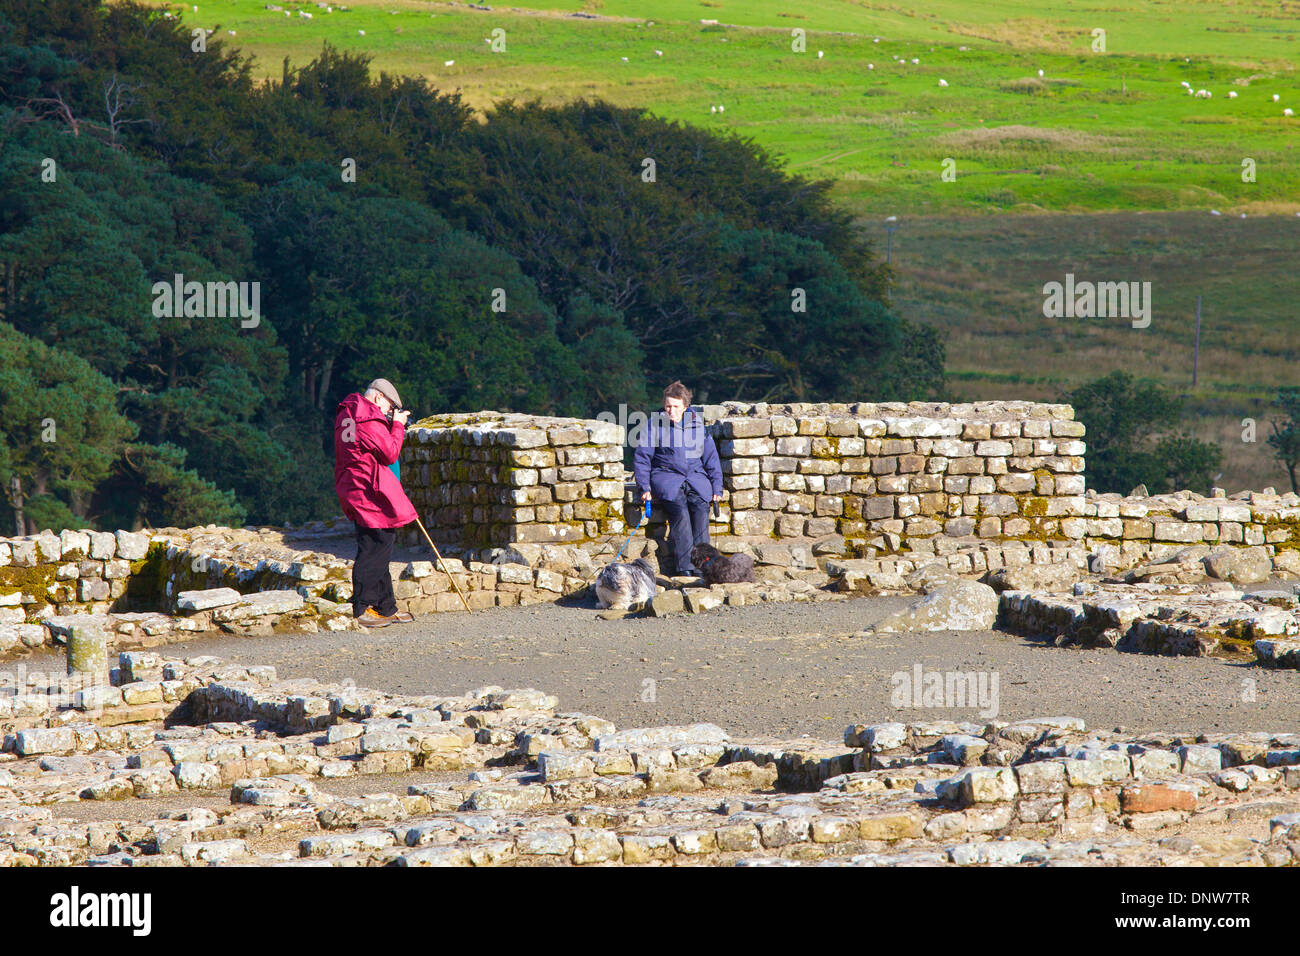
(356, 406)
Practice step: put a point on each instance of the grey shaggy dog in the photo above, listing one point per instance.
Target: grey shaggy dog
(719, 568)
(619, 586)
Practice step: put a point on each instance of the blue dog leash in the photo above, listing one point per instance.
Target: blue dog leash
(644, 515)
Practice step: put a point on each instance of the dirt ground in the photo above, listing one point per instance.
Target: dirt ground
(776, 670)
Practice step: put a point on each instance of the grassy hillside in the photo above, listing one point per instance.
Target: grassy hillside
(980, 279)
(1102, 165)
(1097, 131)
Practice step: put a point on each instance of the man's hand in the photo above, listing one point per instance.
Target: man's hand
(402, 417)
(645, 496)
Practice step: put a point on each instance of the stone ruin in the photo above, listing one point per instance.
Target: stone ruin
(832, 500)
(980, 510)
(209, 764)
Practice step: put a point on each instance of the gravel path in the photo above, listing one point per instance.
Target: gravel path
(777, 669)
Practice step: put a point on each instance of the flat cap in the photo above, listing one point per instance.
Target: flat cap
(385, 388)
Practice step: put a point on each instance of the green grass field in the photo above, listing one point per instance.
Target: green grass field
(981, 279)
(1103, 166)
(1098, 131)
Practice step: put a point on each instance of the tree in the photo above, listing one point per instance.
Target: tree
(522, 263)
(608, 357)
(60, 431)
(1133, 438)
(790, 325)
(1186, 462)
(151, 487)
(81, 255)
(1286, 432)
(372, 286)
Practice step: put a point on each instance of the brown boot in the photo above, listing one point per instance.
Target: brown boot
(372, 618)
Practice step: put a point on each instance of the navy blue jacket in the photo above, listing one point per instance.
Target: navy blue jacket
(670, 454)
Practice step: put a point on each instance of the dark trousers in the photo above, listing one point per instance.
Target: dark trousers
(372, 585)
(688, 525)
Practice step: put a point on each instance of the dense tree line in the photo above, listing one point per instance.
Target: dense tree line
(525, 260)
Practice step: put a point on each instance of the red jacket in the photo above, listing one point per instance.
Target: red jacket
(368, 490)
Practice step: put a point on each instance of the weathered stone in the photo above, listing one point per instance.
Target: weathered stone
(963, 606)
(545, 843)
(88, 649)
(1154, 763)
(1041, 777)
(508, 798)
(964, 749)
(784, 831)
(131, 546)
(1034, 577)
(659, 780)
(668, 601)
(1239, 565)
(890, 826)
(1198, 759)
(556, 765)
(644, 849)
(743, 773)
(52, 740)
(595, 846)
(197, 776)
(661, 737)
(260, 604)
(194, 601)
(980, 785)
(1155, 797)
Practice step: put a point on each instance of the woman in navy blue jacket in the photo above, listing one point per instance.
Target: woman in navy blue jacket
(676, 465)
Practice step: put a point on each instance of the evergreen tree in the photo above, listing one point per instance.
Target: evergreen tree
(60, 431)
(1285, 438)
(1133, 437)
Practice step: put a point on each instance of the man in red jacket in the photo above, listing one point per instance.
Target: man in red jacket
(368, 434)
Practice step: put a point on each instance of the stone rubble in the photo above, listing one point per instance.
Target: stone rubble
(1213, 620)
(514, 781)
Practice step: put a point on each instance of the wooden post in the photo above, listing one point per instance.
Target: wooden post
(16, 498)
(1196, 349)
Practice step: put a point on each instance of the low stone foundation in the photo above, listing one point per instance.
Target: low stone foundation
(1199, 621)
(524, 784)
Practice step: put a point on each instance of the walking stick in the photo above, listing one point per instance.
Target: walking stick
(440, 564)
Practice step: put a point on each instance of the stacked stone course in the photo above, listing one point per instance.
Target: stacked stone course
(883, 474)
(523, 784)
(526, 509)
(490, 478)
(69, 572)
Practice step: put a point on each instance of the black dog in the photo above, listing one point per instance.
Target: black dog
(719, 568)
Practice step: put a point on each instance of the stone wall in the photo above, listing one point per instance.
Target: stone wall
(249, 757)
(67, 573)
(247, 581)
(526, 509)
(884, 474)
(491, 478)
